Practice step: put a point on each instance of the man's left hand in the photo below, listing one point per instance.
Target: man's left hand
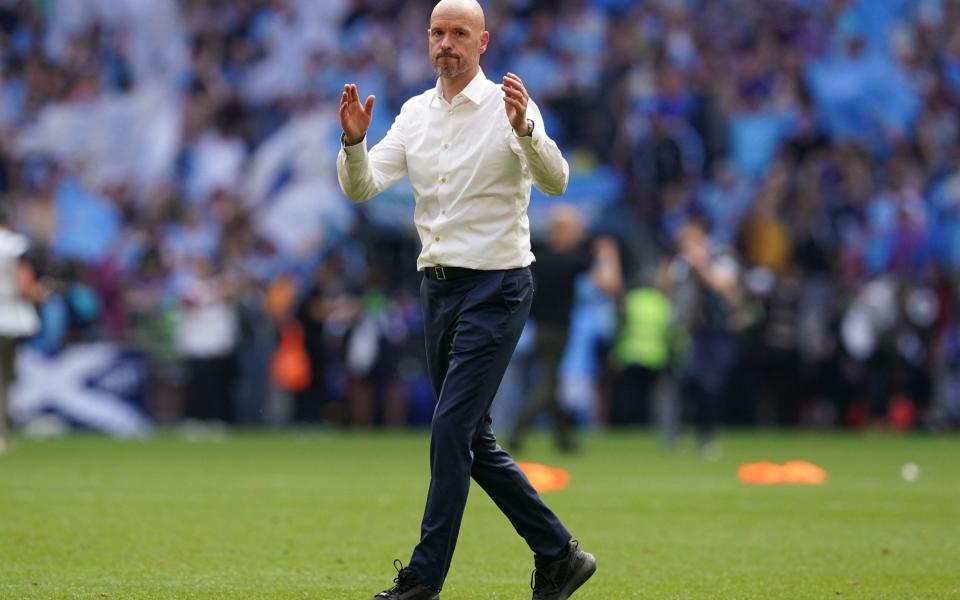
(515, 99)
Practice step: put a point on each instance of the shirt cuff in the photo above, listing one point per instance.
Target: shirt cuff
(356, 152)
(532, 141)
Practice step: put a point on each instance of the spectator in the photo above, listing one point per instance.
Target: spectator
(644, 352)
(705, 281)
(206, 338)
(18, 318)
(555, 272)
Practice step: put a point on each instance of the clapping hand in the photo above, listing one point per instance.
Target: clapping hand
(354, 117)
(515, 99)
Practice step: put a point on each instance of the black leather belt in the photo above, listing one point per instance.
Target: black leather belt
(440, 273)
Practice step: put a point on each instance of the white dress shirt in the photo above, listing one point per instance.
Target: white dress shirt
(18, 317)
(470, 174)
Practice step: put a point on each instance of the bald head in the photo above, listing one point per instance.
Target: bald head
(457, 39)
(469, 9)
(566, 227)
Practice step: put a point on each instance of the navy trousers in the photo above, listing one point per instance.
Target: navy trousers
(472, 326)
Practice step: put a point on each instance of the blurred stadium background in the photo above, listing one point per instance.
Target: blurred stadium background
(173, 165)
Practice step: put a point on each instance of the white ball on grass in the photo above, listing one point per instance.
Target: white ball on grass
(910, 472)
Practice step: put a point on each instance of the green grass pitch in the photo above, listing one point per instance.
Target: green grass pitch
(322, 515)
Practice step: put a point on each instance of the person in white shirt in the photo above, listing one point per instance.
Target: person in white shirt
(18, 316)
(206, 338)
(472, 149)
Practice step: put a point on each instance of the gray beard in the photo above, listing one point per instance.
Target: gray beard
(450, 72)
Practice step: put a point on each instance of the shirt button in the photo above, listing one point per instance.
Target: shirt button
(436, 239)
(443, 180)
(445, 146)
(449, 113)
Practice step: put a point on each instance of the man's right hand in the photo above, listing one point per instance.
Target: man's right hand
(354, 117)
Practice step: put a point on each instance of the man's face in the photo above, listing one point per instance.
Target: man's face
(566, 230)
(692, 238)
(457, 40)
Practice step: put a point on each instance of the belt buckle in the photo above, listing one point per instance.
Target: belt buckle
(438, 272)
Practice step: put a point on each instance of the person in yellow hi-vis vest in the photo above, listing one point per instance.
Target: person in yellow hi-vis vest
(644, 351)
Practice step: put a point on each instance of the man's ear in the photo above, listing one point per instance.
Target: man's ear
(484, 40)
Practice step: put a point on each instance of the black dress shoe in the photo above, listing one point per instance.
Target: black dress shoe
(558, 579)
(408, 587)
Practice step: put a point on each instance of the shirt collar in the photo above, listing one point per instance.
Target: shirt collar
(475, 90)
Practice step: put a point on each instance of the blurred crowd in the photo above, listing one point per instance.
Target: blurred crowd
(788, 219)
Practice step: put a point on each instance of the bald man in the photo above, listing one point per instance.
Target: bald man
(472, 149)
(558, 268)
